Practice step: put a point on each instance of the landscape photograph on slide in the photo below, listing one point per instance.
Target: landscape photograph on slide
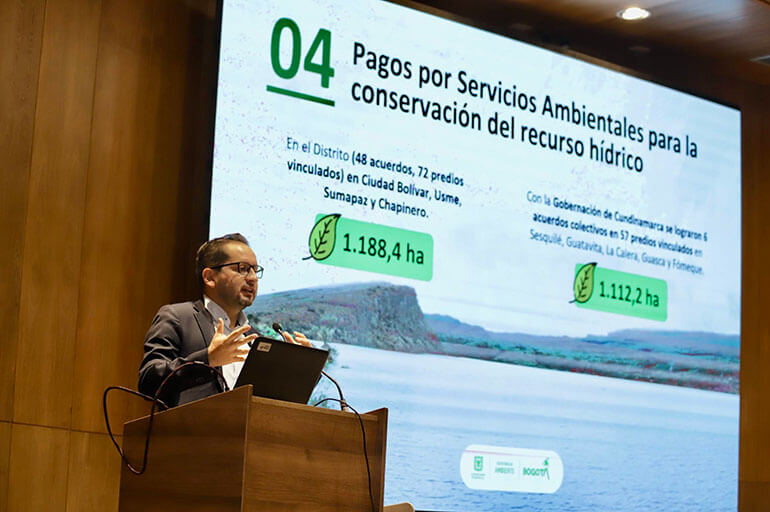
(532, 261)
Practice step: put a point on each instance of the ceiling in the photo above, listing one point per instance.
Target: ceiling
(724, 35)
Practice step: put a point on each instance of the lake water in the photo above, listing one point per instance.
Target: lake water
(625, 445)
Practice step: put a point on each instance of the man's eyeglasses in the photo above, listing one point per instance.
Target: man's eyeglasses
(243, 268)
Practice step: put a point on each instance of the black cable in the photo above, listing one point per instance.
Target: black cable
(155, 402)
(149, 426)
(363, 434)
(343, 404)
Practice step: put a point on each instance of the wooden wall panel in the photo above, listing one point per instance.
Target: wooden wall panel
(37, 479)
(194, 188)
(148, 84)
(114, 271)
(21, 29)
(754, 492)
(754, 496)
(5, 455)
(57, 185)
(94, 473)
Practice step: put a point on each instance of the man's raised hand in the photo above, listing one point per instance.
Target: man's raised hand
(226, 348)
(298, 339)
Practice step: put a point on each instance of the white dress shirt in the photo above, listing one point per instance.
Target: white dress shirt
(232, 370)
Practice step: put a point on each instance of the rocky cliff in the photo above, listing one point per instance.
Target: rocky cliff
(375, 314)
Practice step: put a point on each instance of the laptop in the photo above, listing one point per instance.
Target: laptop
(282, 371)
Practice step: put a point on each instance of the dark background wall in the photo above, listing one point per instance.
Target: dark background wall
(105, 144)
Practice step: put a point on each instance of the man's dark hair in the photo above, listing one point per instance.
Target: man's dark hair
(212, 253)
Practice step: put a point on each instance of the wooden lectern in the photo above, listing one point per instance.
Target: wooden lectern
(235, 452)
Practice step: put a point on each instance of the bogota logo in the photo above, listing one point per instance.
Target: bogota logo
(322, 237)
(538, 472)
(583, 286)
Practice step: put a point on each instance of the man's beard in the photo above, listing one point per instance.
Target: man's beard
(246, 301)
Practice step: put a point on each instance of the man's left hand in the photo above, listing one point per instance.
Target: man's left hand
(297, 339)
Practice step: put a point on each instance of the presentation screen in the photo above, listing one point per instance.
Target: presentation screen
(533, 262)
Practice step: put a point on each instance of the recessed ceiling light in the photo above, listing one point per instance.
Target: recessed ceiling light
(633, 13)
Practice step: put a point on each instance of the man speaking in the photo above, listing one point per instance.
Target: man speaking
(211, 330)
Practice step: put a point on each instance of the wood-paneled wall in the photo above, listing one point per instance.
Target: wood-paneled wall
(754, 471)
(105, 144)
(106, 137)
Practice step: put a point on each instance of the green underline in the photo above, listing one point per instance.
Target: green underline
(300, 95)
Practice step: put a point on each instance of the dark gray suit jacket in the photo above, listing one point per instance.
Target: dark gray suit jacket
(179, 333)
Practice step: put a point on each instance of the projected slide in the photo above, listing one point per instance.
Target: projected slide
(532, 261)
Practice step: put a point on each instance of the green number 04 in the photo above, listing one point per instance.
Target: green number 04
(322, 41)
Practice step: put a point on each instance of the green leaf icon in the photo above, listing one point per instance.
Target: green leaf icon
(584, 283)
(322, 237)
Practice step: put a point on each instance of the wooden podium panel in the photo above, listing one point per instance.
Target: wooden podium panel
(235, 452)
(300, 460)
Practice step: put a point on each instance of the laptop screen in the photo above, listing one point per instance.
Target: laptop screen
(282, 371)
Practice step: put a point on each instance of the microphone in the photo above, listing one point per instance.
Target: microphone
(343, 404)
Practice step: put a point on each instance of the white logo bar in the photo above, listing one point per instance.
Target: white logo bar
(497, 468)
